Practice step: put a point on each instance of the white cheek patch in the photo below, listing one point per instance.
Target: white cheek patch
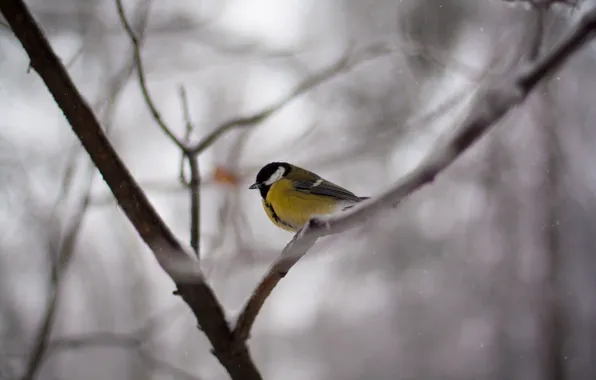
(275, 176)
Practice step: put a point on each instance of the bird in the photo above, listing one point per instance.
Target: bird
(292, 195)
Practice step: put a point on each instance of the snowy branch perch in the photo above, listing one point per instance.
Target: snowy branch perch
(490, 105)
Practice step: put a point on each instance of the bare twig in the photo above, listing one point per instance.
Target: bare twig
(490, 105)
(176, 261)
(195, 201)
(134, 340)
(187, 132)
(43, 334)
(195, 179)
(194, 183)
(346, 63)
(59, 268)
(136, 45)
(76, 55)
(166, 366)
(544, 3)
(94, 339)
(539, 13)
(104, 339)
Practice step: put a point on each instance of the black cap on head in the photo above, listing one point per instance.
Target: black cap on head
(268, 170)
(267, 176)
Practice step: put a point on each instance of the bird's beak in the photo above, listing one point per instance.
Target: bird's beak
(254, 186)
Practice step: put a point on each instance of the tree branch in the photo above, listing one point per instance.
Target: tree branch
(195, 179)
(61, 260)
(60, 265)
(106, 339)
(134, 340)
(489, 106)
(346, 63)
(136, 45)
(195, 201)
(187, 132)
(543, 3)
(178, 263)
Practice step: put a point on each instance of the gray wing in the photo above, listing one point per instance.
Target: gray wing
(323, 187)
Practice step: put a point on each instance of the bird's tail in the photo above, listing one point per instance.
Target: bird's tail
(350, 206)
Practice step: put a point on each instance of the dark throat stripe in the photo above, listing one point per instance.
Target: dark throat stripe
(275, 217)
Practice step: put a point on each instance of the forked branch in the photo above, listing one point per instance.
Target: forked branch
(347, 62)
(175, 259)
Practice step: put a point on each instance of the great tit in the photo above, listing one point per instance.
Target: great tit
(292, 195)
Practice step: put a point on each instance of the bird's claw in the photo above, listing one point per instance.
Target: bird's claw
(319, 222)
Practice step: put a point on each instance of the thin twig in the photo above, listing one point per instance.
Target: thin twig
(187, 132)
(195, 179)
(347, 62)
(36, 355)
(490, 105)
(59, 267)
(194, 182)
(166, 366)
(136, 45)
(118, 340)
(93, 339)
(195, 201)
(134, 340)
(539, 13)
(543, 3)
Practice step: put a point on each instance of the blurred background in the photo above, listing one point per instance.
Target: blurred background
(488, 273)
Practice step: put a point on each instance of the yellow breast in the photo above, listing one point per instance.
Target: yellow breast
(290, 209)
